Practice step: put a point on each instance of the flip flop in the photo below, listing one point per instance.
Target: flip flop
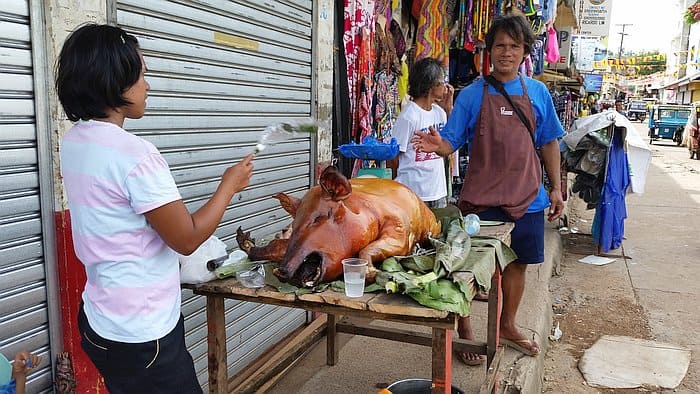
(524, 346)
(469, 361)
(481, 297)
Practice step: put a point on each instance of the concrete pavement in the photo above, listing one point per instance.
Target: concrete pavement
(365, 362)
(662, 237)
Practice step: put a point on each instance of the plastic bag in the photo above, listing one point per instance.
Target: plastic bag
(193, 268)
(552, 55)
(370, 149)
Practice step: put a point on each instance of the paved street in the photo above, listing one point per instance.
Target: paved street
(653, 295)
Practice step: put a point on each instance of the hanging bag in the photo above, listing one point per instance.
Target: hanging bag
(552, 46)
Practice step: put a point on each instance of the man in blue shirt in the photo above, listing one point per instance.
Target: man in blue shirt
(511, 134)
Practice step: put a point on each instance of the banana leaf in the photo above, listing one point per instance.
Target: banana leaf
(391, 265)
(446, 216)
(452, 253)
(444, 295)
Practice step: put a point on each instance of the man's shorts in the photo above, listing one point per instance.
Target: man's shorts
(527, 238)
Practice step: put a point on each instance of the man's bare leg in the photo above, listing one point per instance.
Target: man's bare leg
(513, 288)
(464, 330)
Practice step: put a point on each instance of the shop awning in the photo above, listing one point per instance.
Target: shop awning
(682, 81)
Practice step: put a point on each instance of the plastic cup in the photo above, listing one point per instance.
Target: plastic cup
(354, 272)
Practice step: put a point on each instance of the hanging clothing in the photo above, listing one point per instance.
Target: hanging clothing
(504, 169)
(609, 222)
(359, 19)
(432, 38)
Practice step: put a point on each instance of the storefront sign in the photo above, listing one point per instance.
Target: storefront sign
(583, 50)
(595, 17)
(593, 82)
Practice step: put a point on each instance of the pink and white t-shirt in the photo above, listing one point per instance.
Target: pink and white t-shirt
(111, 179)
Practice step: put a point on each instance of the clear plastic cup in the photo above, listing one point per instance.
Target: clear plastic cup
(253, 278)
(354, 272)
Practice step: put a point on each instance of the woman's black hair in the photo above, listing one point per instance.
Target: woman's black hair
(424, 75)
(516, 26)
(97, 64)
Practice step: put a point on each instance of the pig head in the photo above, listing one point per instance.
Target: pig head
(371, 218)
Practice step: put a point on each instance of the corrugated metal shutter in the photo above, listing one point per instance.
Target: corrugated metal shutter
(220, 71)
(24, 288)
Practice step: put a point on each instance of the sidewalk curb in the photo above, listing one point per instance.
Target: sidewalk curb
(520, 373)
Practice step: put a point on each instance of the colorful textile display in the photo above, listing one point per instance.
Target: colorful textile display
(432, 38)
(359, 20)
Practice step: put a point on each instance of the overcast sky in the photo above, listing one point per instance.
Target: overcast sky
(653, 24)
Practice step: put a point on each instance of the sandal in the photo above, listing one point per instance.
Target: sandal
(524, 346)
(481, 297)
(464, 357)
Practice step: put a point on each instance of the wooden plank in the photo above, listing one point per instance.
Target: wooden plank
(429, 320)
(331, 341)
(271, 292)
(330, 297)
(490, 384)
(501, 232)
(216, 346)
(285, 356)
(403, 306)
(231, 286)
(407, 336)
(442, 361)
(389, 333)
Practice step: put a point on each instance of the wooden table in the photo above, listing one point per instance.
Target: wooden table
(391, 307)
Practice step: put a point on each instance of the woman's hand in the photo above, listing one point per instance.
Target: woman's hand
(237, 177)
(447, 101)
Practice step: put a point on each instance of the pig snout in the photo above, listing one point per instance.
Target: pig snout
(304, 271)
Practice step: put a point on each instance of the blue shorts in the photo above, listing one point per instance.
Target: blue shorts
(527, 238)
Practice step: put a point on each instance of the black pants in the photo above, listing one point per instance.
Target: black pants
(160, 366)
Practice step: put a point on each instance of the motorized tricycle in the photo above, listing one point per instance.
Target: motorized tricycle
(667, 121)
(636, 110)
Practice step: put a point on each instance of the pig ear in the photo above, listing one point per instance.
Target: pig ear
(334, 184)
(289, 203)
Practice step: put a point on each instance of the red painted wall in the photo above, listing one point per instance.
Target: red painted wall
(71, 277)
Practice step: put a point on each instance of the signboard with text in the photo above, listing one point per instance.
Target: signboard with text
(593, 82)
(583, 51)
(595, 17)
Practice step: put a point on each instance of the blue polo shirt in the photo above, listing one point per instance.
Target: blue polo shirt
(462, 121)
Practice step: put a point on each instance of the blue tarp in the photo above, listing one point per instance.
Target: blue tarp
(611, 212)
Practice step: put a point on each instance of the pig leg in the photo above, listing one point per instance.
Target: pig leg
(273, 251)
(376, 252)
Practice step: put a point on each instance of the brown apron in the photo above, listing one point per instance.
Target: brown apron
(504, 169)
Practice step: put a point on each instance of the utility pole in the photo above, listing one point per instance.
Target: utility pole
(622, 39)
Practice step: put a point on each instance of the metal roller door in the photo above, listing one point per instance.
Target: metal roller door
(220, 71)
(26, 228)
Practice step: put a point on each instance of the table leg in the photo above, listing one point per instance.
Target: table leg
(216, 346)
(442, 361)
(494, 318)
(331, 340)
